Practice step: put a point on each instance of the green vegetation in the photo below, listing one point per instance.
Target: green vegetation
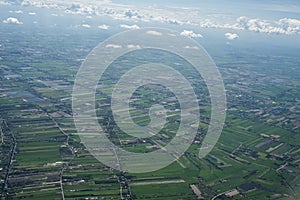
(41, 156)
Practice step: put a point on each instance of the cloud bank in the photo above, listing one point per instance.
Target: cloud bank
(170, 15)
(283, 26)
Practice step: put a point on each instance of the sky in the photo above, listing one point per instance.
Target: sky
(271, 17)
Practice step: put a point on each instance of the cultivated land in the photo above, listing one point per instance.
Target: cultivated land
(257, 156)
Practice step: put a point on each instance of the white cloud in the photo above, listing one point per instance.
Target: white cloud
(114, 46)
(31, 13)
(231, 36)
(12, 20)
(5, 3)
(89, 17)
(191, 47)
(134, 27)
(283, 26)
(154, 33)
(171, 34)
(191, 34)
(17, 11)
(290, 25)
(104, 27)
(86, 26)
(132, 46)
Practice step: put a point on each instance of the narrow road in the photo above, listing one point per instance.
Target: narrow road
(10, 160)
(66, 164)
(2, 136)
(61, 183)
(218, 195)
(282, 166)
